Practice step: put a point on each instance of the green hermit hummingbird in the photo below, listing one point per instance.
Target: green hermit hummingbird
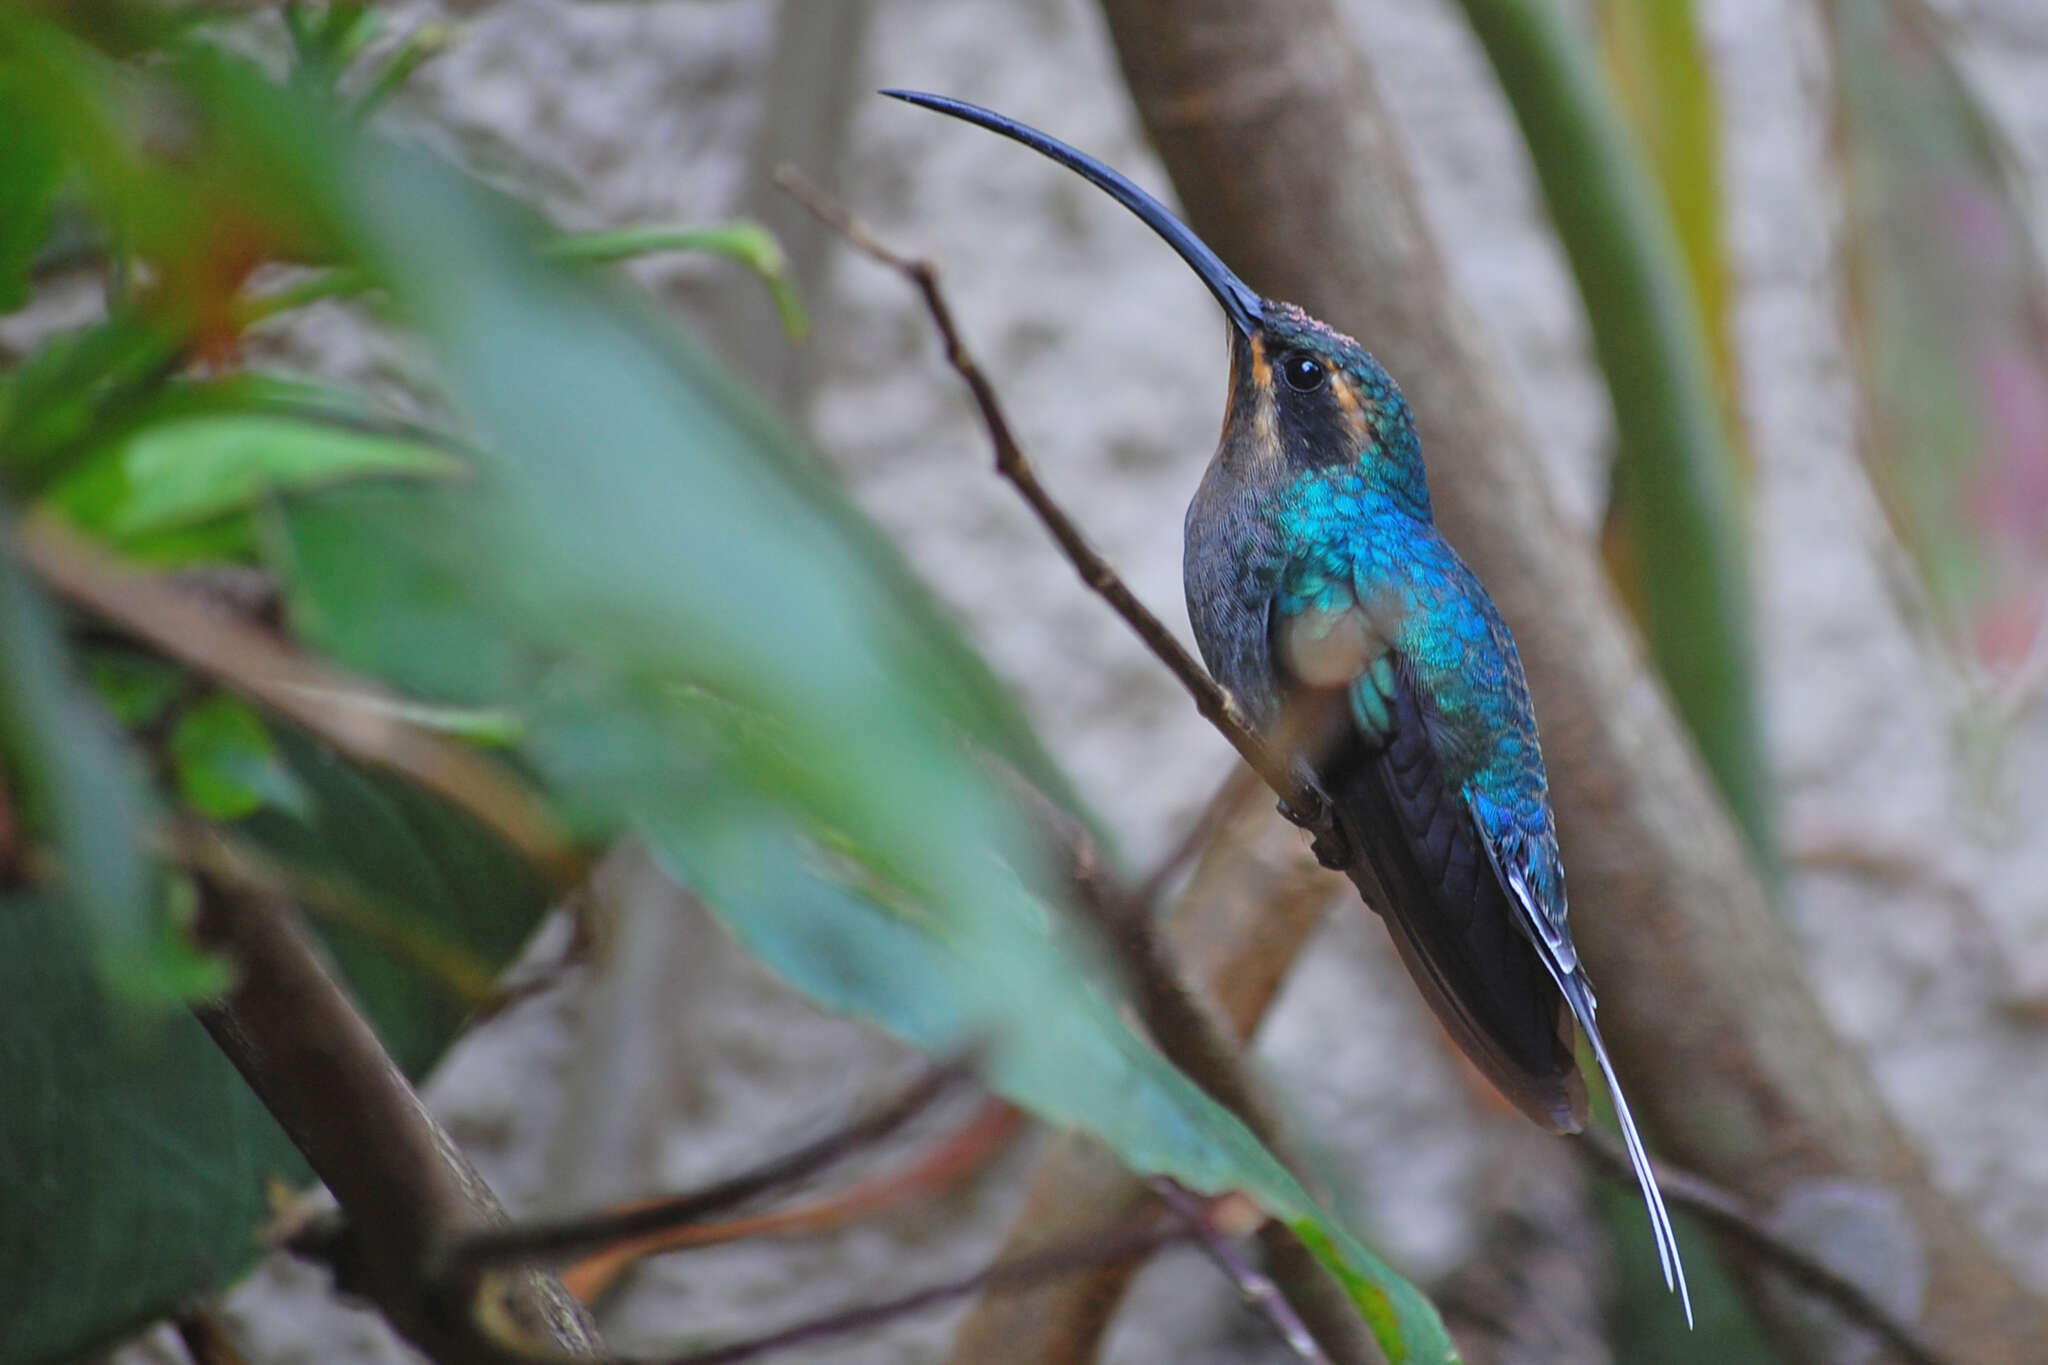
(1360, 645)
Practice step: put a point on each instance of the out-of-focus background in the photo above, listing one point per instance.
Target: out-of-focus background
(1905, 735)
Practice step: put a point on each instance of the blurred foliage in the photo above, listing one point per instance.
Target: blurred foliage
(1656, 63)
(618, 569)
(134, 1157)
(1949, 330)
(1675, 470)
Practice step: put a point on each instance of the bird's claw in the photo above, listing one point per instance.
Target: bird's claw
(1312, 811)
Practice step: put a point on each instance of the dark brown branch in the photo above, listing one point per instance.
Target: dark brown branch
(403, 1185)
(945, 1163)
(1258, 1292)
(1121, 1245)
(527, 1243)
(1734, 1220)
(195, 633)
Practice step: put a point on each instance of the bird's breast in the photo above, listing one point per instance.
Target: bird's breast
(1231, 569)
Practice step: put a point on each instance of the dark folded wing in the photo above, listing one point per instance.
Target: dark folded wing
(1428, 872)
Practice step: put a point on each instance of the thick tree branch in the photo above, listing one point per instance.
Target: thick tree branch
(1268, 120)
(403, 1185)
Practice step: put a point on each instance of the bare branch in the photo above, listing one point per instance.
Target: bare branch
(531, 1242)
(956, 1156)
(1124, 1244)
(206, 1338)
(1258, 1292)
(1254, 898)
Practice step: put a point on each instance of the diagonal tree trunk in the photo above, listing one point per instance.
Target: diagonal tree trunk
(1267, 119)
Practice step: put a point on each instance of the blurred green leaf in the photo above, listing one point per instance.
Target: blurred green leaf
(185, 472)
(419, 47)
(420, 905)
(1664, 87)
(31, 168)
(72, 389)
(750, 244)
(226, 764)
(326, 38)
(1675, 467)
(1948, 314)
(135, 689)
(79, 786)
(134, 1156)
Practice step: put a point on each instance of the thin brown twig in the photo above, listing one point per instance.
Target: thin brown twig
(1117, 1244)
(1211, 699)
(958, 1155)
(1733, 1219)
(191, 631)
(1259, 1293)
(532, 1242)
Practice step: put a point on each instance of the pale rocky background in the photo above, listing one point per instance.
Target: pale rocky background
(1920, 879)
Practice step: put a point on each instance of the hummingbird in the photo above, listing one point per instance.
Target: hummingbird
(1362, 648)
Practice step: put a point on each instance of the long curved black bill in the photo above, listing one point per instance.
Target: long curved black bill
(1244, 307)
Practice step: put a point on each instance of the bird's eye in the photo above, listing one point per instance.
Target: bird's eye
(1303, 371)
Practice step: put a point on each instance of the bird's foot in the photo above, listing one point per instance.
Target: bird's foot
(1313, 811)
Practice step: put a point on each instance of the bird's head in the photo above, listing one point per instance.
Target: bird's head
(1303, 395)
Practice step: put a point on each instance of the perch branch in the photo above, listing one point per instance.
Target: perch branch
(1217, 706)
(1126, 1243)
